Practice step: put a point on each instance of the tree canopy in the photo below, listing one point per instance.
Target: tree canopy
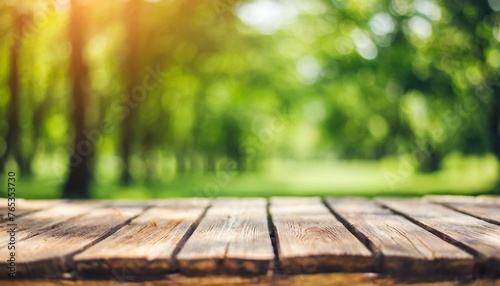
(205, 84)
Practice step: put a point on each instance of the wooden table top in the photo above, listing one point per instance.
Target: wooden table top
(282, 240)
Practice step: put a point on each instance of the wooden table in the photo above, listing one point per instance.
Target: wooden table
(280, 241)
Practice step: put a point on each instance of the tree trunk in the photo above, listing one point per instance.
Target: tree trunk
(80, 162)
(181, 161)
(37, 121)
(430, 160)
(494, 121)
(12, 138)
(132, 77)
(210, 162)
(234, 148)
(494, 128)
(149, 155)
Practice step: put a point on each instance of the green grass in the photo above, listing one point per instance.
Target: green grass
(391, 177)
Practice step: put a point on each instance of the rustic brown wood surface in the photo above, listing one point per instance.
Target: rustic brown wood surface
(399, 245)
(147, 244)
(322, 279)
(450, 199)
(475, 235)
(232, 237)
(488, 199)
(435, 240)
(34, 223)
(484, 211)
(463, 199)
(23, 207)
(50, 253)
(483, 207)
(310, 239)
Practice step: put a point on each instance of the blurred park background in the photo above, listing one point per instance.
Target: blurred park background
(177, 98)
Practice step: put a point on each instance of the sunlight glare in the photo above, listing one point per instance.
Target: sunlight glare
(266, 16)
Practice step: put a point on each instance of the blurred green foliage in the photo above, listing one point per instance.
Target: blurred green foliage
(284, 92)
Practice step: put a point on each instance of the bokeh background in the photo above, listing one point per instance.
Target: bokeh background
(174, 98)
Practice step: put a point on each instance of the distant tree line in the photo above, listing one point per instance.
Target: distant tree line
(203, 86)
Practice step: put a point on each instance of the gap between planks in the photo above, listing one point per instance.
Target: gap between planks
(146, 245)
(24, 207)
(231, 263)
(399, 246)
(34, 223)
(484, 207)
(50, 253)
(309, 239)
(232, 238)
(476, 236)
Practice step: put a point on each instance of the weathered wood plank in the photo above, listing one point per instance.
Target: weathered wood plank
(23, 207)
(450, 199)
(310, 239)
(399, 245)
(49, 253)
(483, 207)
(37, 222)
(175, 202)
(233, 237)
(146, 245)
(489, 199)
(484, 211)
(250, 250)
(323, 279)
(356, 206)
(475, 235)
(463, 199)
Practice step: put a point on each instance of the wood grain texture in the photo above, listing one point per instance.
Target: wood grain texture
(483, 207)
(24, 207)
(50, 252)
(37, 222)
(399, 245)
(480, 208)
(450, 199)
(146, 245)
(475, 235)
(310, 239)
(488, 199)
(463, 199)
(233, 237)
(326, 279)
